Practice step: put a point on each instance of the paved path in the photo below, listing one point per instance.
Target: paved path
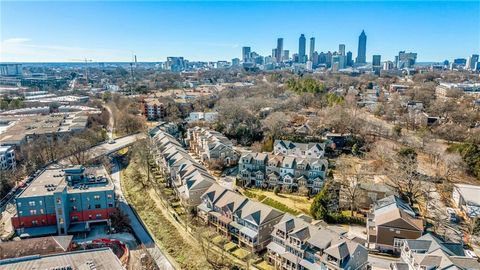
(108, 148)
(136, 224)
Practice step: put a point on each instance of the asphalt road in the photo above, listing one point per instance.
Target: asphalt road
(137, 226)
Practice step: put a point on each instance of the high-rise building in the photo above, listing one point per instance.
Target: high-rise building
(472, 62)
(312, 48)
(301, 49)
(406, 60)
(315, 59)
(376, 64)
(235, 62)
(349, 59)
(322, 58)
(362, 48)
(328, 59)
(279, 55)
(246, 54)
(175, 64)
(387, 65)
(286, 55)
(376, 60)
(341, 49)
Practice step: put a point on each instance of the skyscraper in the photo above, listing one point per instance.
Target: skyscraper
(301, 49)
(376, 59)
(279, 55)
(349, 59)
(312, 48)
(246, 54)
(286, 55)
(406, 60)
(376, 64)
(472, 62)
(362, 48)
(341, 49)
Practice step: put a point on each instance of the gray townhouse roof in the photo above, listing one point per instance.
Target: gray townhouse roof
(198, 182)
(288, 162)
(392, 201)
(257, 213)
(214, 192)
(233, 201)
(431, 251)
(303, 146)
(317, 236)
(430, 243)
(339, 250)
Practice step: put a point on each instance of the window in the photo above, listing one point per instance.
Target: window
(98, 216)
(40, 202)
(20, 213)
(34, 222)
(31, 203)
(60, 221)
(59, 201)
(96, 197)
(109, 196)
(97, 206)
(19, 204)
(33, 212)
(41, 211)
(110, 205)
(74, 208)
(60, 211)
(74, 218)
(73, 199)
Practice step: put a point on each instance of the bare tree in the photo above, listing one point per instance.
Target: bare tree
(350, 175)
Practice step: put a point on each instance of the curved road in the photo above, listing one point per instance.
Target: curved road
(137, 226)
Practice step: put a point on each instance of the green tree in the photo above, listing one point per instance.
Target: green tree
(319, 208)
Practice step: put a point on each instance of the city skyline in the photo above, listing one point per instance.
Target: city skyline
(78, 31)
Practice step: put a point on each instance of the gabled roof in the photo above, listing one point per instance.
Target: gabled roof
(214, 192)
(257, 213)
(398, 218)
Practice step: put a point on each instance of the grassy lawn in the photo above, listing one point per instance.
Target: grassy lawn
(185, 254)
(241, 253)
(230, 246)
(219, 240)
(264, 266)
(291, 203)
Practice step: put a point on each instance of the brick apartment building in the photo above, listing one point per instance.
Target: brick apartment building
(64, 200)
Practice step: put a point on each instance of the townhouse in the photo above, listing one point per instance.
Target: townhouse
(289, 172)
(189, 179)
(211, 146)
(297, 244)
(430, 252)
(242, 221)
(301, 150)
(390, 222)
(64, 200)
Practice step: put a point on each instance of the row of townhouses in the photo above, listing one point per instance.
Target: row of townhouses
(65, 200)
(189, 178)
(431, 252)
(211, 146)
(272, 170)
(297, 244)
(291, 242)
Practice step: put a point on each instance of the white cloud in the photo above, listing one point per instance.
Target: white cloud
(24, 50)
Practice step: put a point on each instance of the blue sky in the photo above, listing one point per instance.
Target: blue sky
(112, 31)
